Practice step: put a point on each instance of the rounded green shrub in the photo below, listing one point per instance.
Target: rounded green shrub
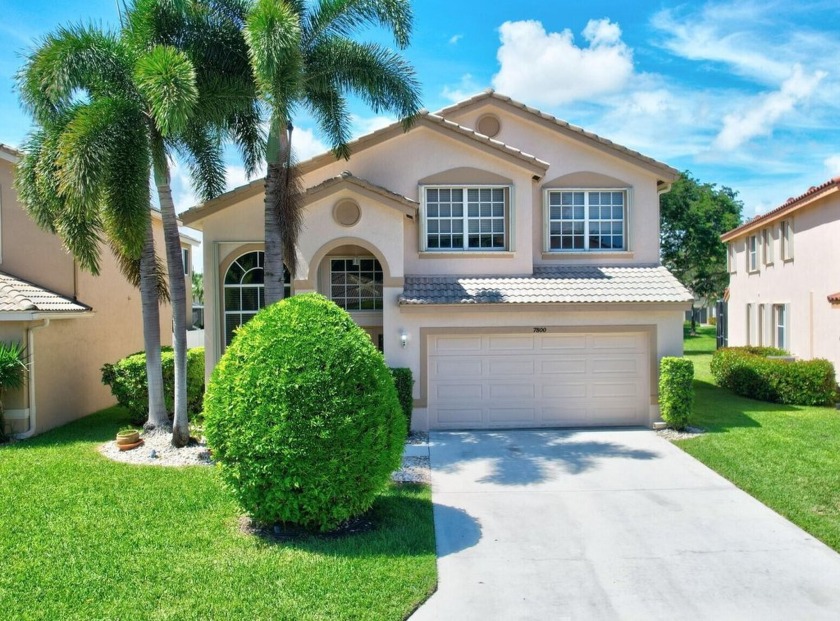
(676, 391)
(302, 415)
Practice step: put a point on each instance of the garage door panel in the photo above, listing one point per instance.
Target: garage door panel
(512, 391)
(538, 380)
(511, 415)
(458, 367)
(505, 367)
(563, 366)
(522, 342)
(459, 391)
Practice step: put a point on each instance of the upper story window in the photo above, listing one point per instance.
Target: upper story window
(731, 263)
(468, 218)
(185, 257)
(786, 239)
(244, 290)
(356, 283)
(587, 220)
(767, 246)
(752, 253)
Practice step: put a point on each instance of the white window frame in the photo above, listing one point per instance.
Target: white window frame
(586, 191)
(749, 324)
(760, 328)
(358, 259)
(752, 253)
(781, 326)
(786, 239)
(767, 246)
(731, 258)
(465, 249)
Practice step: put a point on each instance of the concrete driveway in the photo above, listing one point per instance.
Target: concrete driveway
(615, 524)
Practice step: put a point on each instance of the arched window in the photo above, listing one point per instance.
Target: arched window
(244, 290)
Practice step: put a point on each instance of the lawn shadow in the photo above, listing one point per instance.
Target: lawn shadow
(718, 410)
(98, 427)
(525, 457)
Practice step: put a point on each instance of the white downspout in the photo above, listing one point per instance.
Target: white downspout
(30, 352)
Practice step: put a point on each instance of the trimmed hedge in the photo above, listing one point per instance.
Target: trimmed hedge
(128, 383)
(747, 371)
(404, 383)
(676, 391)
(303, 417)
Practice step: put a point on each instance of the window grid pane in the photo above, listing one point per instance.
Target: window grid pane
(466, 218)
(356, 284)
(244, 290)
(583, 221)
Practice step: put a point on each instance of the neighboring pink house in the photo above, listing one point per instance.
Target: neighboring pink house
(784, 283)
(509, 259)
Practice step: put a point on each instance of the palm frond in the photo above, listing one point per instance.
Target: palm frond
(36, 180)
(329, 18)
(202, 149)
(166, 79)
(332, 115)
(129, 267)
(79, 227)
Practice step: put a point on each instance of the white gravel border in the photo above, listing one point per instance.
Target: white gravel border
(686, 434)
(157, 450)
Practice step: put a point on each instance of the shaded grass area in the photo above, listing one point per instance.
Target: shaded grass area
(788, 457)
(82, 537)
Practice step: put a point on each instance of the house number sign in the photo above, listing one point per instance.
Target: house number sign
(540, 330)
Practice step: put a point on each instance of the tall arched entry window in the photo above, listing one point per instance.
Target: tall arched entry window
(244, 290)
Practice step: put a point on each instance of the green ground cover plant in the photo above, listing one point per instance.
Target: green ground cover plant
(87, 538)
(786, 456)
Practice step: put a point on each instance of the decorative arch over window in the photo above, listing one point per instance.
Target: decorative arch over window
(244, 290)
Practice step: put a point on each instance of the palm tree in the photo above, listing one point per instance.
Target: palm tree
(212, 79)
(303, 55)
(177, 83)
(84, 173)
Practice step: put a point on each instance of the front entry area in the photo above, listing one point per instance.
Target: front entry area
(563, 379)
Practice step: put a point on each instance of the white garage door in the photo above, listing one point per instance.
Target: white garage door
(480, 381)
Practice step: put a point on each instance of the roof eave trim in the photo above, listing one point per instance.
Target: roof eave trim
(37, 315)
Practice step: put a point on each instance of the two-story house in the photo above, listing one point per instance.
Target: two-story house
(509, 259)
(784, 289)
(70, 322)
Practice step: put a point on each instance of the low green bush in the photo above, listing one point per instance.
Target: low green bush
(676, 391)
(404, 383)
(129, 385)
(303, 417)
(749, 372)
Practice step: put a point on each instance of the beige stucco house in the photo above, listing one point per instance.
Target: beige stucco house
(509, 259)
(784, 280)
(70, 321)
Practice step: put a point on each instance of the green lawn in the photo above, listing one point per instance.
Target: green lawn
(82, 537)
(788, 457)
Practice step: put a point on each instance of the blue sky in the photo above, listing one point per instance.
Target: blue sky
(744, 94)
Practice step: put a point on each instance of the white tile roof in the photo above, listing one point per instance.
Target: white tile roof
(585, 284)
(20, 296)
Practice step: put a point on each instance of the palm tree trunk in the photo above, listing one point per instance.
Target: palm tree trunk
(276, 157)
(178, 297)
(151, 334)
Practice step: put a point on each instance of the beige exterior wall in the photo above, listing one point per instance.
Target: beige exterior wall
(67, 354)
(802, 284)
(405, 163)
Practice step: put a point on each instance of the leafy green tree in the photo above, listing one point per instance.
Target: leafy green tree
(303, 56)
(198, 287)
(693, 217)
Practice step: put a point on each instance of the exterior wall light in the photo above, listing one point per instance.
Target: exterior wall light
(404, 339)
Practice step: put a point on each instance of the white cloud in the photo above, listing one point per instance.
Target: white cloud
(832, 164)
(306, 144)
(465, 89)
(760, 115)
(548, 68)
(365, 125)
(453, 40)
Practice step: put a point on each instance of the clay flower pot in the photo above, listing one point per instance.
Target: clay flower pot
(128, 437)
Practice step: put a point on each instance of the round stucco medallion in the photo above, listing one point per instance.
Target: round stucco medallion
(347, 212)
(489, 125)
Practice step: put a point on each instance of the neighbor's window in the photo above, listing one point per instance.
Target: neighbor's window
(356, 283)
(466, 218)
(581, 220)
(732, 264)
(752, 253)
(750, 339)
(767, 244)
(185, 256)
(244, 290)
(786, 234)
(781, 312)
